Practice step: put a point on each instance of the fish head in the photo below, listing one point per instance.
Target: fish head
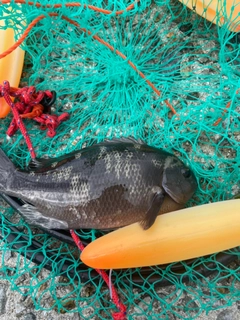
(178, 181)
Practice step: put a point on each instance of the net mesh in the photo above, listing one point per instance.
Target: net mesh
(107, 70)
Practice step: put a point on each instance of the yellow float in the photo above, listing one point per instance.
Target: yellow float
(175, 236)
(217, 11)
(10, 66)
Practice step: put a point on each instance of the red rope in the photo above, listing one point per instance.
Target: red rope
(29, 106)
(51, 122)
(121, 315)
(5, 93)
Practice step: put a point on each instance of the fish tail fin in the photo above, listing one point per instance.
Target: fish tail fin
(7, 169)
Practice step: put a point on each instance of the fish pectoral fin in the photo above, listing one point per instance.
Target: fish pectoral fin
(36, 218)
(152, 213)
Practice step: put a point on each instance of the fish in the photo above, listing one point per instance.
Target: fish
(105, 186)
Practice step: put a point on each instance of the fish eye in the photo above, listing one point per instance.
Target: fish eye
(186, 173)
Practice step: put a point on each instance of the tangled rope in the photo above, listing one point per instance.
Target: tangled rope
(31, 104)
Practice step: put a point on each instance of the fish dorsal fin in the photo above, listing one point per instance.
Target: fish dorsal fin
(123, 140)
(44, 165)
(40, 165)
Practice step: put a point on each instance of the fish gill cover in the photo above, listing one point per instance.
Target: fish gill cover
(196, 67)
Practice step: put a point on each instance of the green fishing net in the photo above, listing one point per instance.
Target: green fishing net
(103, 68)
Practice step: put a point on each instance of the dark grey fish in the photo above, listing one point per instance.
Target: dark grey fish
(107, 185)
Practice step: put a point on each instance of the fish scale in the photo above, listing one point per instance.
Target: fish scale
(107, 185)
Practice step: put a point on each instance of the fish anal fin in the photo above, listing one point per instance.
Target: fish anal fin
(157, 198)
(36, 218)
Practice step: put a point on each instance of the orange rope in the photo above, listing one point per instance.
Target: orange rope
(224, 111)
(97, 38)
(23, 37)
(70, 5)
(124, 57)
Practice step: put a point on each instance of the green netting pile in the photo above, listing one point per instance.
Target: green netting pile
(196, 66)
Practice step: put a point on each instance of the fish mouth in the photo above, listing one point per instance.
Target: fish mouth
(174, 197)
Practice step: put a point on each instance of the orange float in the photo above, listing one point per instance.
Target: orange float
(228, 11)
(175, 236)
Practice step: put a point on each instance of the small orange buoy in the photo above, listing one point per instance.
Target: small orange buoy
(217, 11)
(10, 66)
(175, 236)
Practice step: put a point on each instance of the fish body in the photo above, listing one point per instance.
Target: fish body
(105, 186)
